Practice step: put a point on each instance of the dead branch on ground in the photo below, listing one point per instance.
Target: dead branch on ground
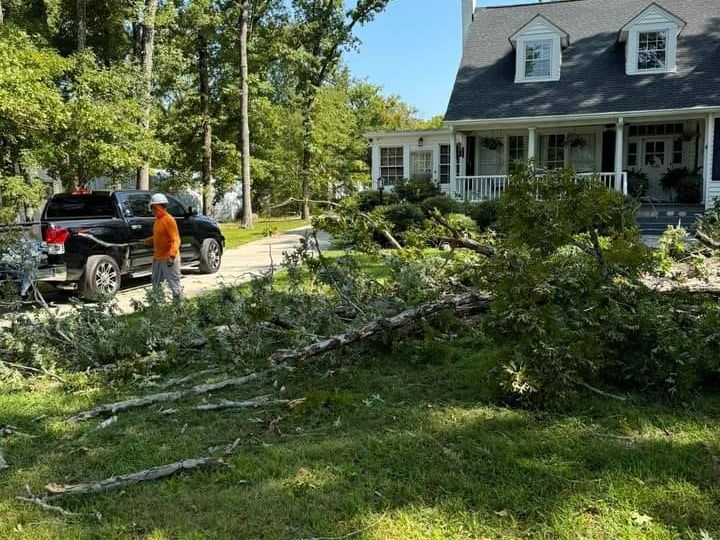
(116, 482)
(32, 370)
(254, 403)
(37, 501)
(481, 301)
(3, 462)
(707, 240)
(163, 396)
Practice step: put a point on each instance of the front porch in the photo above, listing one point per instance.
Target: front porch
(474, 161)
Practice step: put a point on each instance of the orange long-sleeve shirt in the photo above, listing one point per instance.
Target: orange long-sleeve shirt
(165, 238)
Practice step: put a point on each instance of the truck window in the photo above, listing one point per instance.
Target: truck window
(135, 205)
(80, 207)
(175, 208)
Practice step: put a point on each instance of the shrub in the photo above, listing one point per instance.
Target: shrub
(403, 216)
(709, 222)
(638, 183)
(416, 190)
(485, 214)
(690, 189)
(443, 204)
(369, 200)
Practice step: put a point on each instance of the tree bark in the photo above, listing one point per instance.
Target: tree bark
(247, 220)
(306, 163)
(206, 127)
(2, 16)
(81, 24)
(148, 44)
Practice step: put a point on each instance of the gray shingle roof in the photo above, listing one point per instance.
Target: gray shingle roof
(593, 76)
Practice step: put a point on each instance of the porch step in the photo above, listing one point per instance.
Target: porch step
(655, 219)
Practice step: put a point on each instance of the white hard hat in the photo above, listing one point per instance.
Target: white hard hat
(158, 198)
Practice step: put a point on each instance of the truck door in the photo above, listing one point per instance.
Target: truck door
(189, 246)
(136, 212)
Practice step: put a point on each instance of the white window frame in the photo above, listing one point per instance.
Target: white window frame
(425, 153)
(391, 181)
(555, 57)
(633, 50)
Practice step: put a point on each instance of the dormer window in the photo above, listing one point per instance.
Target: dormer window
(651, 39)
(538, 59)
(538, 49)
(652, 50)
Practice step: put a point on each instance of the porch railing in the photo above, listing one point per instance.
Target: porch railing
(489, 187)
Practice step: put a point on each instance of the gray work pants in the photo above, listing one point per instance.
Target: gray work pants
(170, 273)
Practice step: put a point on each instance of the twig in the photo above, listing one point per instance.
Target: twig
(602, 392)
(187, 378)
(33, 370)
(163, 396)
(379, 326)
(37, 501)
(116, 482)
(459, 239)
(350, 534)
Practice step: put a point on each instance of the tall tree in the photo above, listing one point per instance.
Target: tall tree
(148, 43)
(204, 79)
(2, 16)
(247, 221)
(81, 7)
(324, 29)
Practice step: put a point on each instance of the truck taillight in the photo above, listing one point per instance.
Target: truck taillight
(55, 240)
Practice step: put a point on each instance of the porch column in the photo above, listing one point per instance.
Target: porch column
(531, 143)
(453, 161)
(375, 162)
(708, 157)
(619, 149)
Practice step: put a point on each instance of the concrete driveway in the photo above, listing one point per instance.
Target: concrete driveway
(239, 265)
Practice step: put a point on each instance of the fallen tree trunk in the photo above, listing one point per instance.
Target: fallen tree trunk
(380, 326)
(116, 482)
(112, 408)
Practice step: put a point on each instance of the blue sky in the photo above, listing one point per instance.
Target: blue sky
(413, 49)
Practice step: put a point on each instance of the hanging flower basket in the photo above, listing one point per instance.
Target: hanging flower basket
(576, 141)
(491, 143)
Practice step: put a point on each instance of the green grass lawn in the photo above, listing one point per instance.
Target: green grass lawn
(236, 236)
(400, 442)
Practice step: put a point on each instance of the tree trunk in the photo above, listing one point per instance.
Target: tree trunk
(137, 44)
(306, 162)
(81, 24)
(206, 127)
(148, 42)
(247, 217)
(2, 17)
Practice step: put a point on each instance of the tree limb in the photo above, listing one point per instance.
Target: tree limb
(163, 396)
(117, 482)
(381, 326)
(459, 239)
(254, 403)
(602, 392)
(707, 240)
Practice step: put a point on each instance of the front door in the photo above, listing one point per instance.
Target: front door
(421, 164)
(140, 220)
(655, 159)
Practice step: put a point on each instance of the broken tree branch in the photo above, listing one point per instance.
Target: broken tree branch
(117, 482)
(32, 370)
(380, 326)
(459, 239)
(602, 392)
(3, 462)
(707, 240)
(163, 396)
(37, 501)
(254, 403)
(186, 378)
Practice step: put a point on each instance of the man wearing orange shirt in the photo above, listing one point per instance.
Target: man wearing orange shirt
(166, 247)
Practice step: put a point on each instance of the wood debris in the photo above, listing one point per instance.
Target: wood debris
(37, 501)
(111, 408)
(260, 401)
(481, 301)
(116, 482)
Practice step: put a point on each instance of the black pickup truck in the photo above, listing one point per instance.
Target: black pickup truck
(95, 238)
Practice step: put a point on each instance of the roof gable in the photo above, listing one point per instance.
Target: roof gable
(540, 25)
(654, 14)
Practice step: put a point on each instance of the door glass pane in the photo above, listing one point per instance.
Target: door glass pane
(444, 163)
(582, 152)
(655, 153)
(553, 151)
(422, 164)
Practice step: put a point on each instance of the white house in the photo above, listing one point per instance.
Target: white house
(605, 86)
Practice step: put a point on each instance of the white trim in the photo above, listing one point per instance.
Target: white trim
(567, 119)
(532, 143)
(619, 152)
(632, 53)
(708, 158)
(555, 58)
(411, 133)
(652, 14)
(453, 157)
(540, 25)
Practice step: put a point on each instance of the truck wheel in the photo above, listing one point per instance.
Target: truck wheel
(101, 278)
(210, 256)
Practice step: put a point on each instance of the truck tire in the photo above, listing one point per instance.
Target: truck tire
(101, 278)
(210, 256)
